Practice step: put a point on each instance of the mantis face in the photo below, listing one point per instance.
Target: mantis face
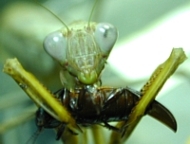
(82, 50)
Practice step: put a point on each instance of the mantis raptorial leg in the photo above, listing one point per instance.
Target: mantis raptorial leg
(150, 91)
(36, 91)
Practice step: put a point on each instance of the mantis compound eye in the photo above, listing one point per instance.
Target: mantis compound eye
(105, 36)
(55, 45)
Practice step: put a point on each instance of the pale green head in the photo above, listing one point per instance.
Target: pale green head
(83, 50)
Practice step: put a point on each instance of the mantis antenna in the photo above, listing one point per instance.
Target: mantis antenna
(53, 14)
(90, 17)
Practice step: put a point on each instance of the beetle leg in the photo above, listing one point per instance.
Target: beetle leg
(107, 125)
(68, 138)
(44, 120)
(60, 131)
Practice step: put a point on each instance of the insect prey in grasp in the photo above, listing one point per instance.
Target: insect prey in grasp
(82, 49)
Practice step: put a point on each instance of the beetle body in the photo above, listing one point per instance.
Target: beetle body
(94, 105)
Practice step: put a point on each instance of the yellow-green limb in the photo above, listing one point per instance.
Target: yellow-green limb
(38, 93)
(150, 91)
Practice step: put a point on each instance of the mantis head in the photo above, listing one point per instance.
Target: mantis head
(83, 50)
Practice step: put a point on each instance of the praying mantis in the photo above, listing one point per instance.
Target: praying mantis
(69, 86)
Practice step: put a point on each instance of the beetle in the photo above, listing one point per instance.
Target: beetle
(94, 105)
